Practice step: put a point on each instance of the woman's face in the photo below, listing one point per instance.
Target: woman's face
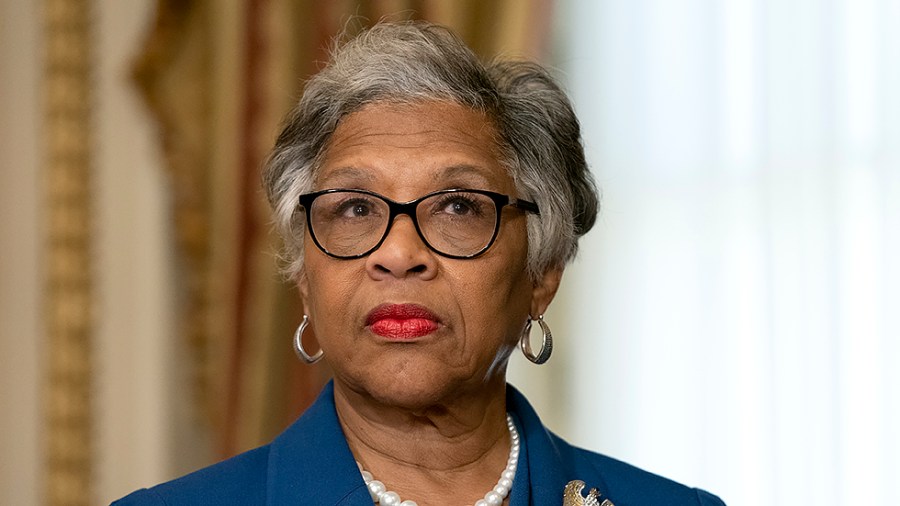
(404, 324)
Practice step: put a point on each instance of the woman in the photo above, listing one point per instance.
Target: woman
(429, 205)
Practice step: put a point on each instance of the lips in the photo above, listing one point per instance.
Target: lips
(402, 321)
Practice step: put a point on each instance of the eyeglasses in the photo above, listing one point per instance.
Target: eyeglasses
(458, 223)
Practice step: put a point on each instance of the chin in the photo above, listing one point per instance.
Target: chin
(413, 395)
(419, 380)
(413, 390)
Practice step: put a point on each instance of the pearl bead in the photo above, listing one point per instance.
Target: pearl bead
(506, 482)
(390, 499)
(493, 498)
(481, 503)
(509, 475)
(367, 476)
(408, 503)
(376, 489)
(501, 490)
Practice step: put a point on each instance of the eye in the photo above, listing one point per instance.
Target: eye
(456, 206)
(460, 204)
(355, 207)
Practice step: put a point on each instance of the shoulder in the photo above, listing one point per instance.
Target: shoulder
(238, 480)
(560, 463)
(628, 484)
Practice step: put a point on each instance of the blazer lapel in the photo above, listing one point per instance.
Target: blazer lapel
(551, 463)
(310, 462)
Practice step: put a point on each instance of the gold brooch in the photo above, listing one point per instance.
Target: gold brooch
(572, 496)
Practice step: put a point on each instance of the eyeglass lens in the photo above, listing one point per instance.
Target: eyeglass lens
(349, 223)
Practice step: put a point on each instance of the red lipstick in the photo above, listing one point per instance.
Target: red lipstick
(402, 321)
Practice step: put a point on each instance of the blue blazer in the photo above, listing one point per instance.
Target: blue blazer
(310, 463)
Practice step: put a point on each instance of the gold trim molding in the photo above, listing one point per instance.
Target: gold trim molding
(67, 289)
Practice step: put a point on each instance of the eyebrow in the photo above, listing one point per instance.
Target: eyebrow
(348, 173)
(459, 173)
(465, 171)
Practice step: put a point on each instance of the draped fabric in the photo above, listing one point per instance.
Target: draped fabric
(218, 76)
(742, 287)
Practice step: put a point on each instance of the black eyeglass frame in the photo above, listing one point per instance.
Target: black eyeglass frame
(409, 208)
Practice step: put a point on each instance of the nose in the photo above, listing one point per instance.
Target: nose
(402, 254)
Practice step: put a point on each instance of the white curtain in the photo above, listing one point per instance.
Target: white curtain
(734, 318)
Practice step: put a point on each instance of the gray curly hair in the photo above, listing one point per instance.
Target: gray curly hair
(411, 62)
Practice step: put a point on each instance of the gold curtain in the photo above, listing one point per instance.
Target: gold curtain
(67, 291)
(218, 76)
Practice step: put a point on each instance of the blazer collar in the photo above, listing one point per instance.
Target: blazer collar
(311, 463)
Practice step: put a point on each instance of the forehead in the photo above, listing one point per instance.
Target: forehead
(413, 145)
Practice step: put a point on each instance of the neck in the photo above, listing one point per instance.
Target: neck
(452, 449)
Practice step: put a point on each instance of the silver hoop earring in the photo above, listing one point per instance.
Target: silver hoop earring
(298, 344)
(546, 342)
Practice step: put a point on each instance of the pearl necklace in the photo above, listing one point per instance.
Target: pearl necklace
(381, 495)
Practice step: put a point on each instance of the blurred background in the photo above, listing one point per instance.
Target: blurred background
(732, 322)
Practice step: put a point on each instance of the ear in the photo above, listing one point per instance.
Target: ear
(303, 287)
(544, 290)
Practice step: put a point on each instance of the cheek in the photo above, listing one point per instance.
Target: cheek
(328, 288)
(495, 302)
